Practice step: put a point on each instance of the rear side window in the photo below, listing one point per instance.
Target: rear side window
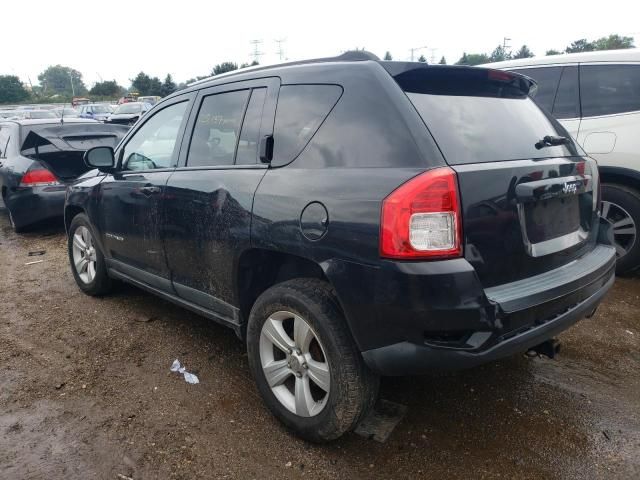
(609, 89)
(476, 119)
(547, 79)
(567, 103)
(301, 110)
(250, 133)
(216, 131)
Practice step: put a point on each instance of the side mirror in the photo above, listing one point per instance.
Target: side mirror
(101, 158)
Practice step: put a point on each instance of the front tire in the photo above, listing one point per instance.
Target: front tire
(305, 362)
(621, 207)
(87, 262)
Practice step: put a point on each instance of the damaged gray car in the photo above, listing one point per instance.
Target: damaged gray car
(39, 158)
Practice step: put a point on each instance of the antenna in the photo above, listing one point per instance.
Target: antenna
(256, 53)
(280, 51)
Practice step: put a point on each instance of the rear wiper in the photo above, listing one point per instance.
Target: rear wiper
(551, 141)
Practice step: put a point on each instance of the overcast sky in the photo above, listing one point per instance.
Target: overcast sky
(116, 39)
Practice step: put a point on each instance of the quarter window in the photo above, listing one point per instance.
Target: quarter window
(301, 110)
(609, 89)
(215, 134)
(154, 144)
(547, 79)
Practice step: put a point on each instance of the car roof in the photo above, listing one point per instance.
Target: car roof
(624, 55)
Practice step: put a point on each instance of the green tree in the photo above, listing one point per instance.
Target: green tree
(552, 52)
(108, 88)
(57, 79)
(168, 86)
(422, 59)
(473, 59)
(12, 90)
(224, 67)
(146, 85)
(387, 55)
(613, 42)
(499, 54)
(581, 45)
(443, 61)
(524, 52)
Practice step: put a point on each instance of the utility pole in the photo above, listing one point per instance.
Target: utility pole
(256, 53)
(280, 51)
(73, 90)
(504, 44)
(413, 51)
(433, 55)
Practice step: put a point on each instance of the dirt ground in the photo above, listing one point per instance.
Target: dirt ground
(86, 392)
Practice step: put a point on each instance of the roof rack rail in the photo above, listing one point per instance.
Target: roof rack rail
(348, 56)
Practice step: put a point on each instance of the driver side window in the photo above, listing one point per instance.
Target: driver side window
(153, 145)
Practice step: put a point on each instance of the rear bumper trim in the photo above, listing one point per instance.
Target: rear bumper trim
(556, 283)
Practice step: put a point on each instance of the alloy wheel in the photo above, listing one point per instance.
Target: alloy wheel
(294, 364)
(84, 254)
(624, 228)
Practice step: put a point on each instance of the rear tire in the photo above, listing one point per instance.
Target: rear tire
(621, 206)
(87, 262)
(353, 388)
(13, 223)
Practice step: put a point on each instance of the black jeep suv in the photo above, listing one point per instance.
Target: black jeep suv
(350, 218)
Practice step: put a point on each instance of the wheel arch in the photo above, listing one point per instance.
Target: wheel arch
(70, 211)
(259, 269)
(621, 176)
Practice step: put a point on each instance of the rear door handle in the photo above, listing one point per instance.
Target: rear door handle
(150, 190)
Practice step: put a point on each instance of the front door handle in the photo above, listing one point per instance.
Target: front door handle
(150, 190)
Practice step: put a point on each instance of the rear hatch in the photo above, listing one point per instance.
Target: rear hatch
(60, 147)
(529, 205)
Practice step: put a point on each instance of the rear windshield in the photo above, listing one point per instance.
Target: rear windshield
(129, 108)
(478, 115)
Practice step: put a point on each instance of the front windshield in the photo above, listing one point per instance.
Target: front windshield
(128, 108)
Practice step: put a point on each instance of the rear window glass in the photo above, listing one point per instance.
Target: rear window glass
(475, 120)
(301, 110)
(609, 89)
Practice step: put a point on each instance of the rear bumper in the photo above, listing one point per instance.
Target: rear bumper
(410, 318)
(31, 205)
(410, 359)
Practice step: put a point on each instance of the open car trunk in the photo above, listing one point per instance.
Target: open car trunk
(529, 205)
(60, 148)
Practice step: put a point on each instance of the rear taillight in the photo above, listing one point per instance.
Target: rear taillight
(421, 218)
(38, 176)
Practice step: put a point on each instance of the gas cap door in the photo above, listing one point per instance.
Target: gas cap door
(314, 221)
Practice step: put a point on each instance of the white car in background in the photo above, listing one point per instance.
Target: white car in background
(596, 97)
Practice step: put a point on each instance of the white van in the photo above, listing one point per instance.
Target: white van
(596, 96)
